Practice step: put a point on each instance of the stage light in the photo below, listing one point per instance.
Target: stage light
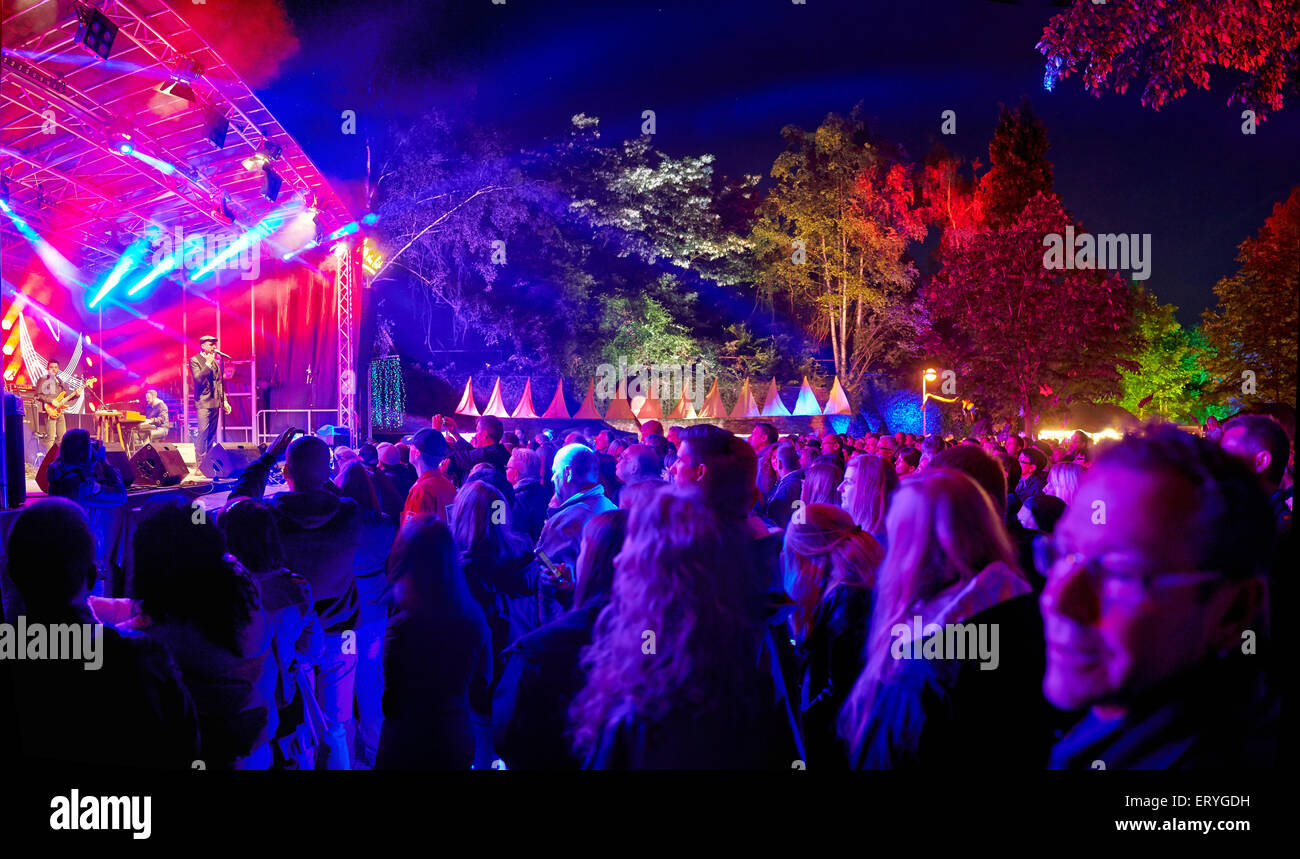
(8, 349)
(7, 324)
(178, 89)
(95, 31)
(222, 212)
(130, 259)
(370, 219)
(371, 259)
(271, 183)
(217, 128)
(4, 189)
(158, 164)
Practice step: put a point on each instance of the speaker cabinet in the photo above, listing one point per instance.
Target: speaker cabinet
(42, 478)
(228, 460)
(14, 453)
(159, 464)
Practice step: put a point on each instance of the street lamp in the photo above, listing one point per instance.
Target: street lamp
(929, 376)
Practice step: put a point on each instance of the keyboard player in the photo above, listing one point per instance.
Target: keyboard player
(156, 424)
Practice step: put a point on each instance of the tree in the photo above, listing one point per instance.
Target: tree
(1253, 328)
(831, 241)
(1169, 373)
(1023, 338)
(1173, 44)
(1018, 166)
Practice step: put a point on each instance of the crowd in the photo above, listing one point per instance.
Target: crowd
(686, 598)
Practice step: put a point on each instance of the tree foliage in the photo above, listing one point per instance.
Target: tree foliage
(1170, 45)
(1253, 328)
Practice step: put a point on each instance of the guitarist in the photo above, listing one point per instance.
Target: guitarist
(48, 390)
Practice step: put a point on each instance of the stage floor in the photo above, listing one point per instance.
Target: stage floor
(212, 494)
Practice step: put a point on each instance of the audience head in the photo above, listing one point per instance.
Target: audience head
(369, 454)
(252, 535)
(724, 467)
(390, 456)
(574, 470)
(424, 571)
(1032, 461)
(638, 463)
(1261, 443)
(1063, 480)
(1165, 583)
(763, 435)
(831, 444)
(821, 484)
(651, 428)
(634, 495)
(984, 469)
(825, 550)
(430, 449)
(307, 464)
(524, 464)
(787, 459)
(52, 574)
(488, 430)
(1041, 512)
(182, 574)
(1014, 445)
(602, 539)
(480, 521)
(908, 460)
(355, 483)
(74, 449)
(869, 483)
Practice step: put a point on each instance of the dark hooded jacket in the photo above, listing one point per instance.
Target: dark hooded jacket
(321, 534)
(87, 485)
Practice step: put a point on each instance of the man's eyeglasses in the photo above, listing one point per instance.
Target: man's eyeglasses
(1114, 576)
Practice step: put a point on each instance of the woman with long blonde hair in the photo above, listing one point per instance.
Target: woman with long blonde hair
(949, 562)
(869, 483)
(830, 568)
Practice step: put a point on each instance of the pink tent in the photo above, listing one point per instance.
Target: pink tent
(467, 406)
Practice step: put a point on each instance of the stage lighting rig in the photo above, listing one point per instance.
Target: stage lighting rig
(269, 152)
(121, 136)
(184, 73)
(217, 127)
(271, 184)
(95, 31)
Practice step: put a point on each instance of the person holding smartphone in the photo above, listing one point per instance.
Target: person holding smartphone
(82, 473)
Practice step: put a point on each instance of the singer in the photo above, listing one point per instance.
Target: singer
(209, 392)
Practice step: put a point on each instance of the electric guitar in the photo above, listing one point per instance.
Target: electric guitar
(61, 404)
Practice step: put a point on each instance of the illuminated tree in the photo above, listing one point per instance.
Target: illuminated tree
(1167, 46)
(1253, 328)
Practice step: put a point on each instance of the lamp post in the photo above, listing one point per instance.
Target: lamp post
(929, 376)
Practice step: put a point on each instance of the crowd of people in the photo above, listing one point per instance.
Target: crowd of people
(681, 598)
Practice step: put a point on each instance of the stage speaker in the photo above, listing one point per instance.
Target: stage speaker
(15, 458)
(227, 460)
(158, 464)
(42, 479)
(119, 460)
(335, 436)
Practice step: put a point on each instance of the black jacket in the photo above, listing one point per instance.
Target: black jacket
(464, 457)
(833, 659)
(779, 504)
(541, 678)
(321, 534)
(529, 512)
(89, 485)
(209, 387)
(948, 714)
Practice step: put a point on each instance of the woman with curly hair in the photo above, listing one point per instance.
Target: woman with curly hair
(672, 674)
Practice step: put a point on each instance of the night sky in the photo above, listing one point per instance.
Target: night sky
(724, 77)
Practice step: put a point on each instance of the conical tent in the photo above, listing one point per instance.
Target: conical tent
(496, 406)
(619, 408)
(467, 406)
(525, 407)
(746, 405)
(558, 408)
(807, 403)
(713, 407)
(587, 411)
(685, 408)
(772, 405)
(651, 409)
(838, 402)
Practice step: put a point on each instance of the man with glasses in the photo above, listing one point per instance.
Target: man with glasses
(886, 447)
(1152, 611)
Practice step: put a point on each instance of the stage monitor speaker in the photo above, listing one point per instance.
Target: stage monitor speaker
(119, 459)
(335, 436)
(158, 464)
(227, 460)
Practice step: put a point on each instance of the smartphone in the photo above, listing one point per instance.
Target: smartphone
(550, 565)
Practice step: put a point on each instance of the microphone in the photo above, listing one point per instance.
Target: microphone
(222, 354)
